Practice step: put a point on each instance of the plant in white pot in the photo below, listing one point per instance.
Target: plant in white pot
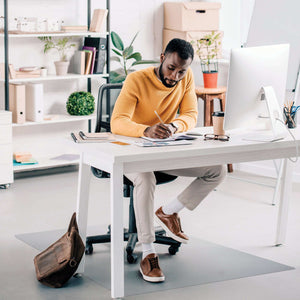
(62, 45)
(207, 48)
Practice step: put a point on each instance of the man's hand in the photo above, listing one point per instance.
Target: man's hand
(158, 131)
(171, 127)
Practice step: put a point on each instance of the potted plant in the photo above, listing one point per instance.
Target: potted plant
(207, 48)
(126, 57)
(61, 45)
(80, 103)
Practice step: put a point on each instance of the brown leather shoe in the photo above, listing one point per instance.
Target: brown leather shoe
(171, 224)
(150, 269)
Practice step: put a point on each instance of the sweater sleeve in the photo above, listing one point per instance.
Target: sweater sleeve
(188, 110)
(121, 120)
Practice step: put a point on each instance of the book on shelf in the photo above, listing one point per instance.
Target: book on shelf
(30, 74)
(102, 137)
(78, 62)
(11, 71)
(93, 49)
(17, 102)
(100, 58)
(74, 28)
(88, 61)
(98, 18)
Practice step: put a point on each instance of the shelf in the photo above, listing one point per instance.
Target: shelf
(45, 163)
(59, 119)
(83, 33)
(55, 77)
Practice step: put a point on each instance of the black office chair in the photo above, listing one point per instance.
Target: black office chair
(130, 234)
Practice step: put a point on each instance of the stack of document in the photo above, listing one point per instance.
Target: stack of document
(89, 137)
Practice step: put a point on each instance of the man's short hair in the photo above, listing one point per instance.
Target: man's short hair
(182, 47)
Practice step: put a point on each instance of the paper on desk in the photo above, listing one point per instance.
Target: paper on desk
(161, 143)
(174, 137)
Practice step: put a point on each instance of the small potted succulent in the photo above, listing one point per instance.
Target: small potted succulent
(207, 48)
(81, 103)
(62, 45)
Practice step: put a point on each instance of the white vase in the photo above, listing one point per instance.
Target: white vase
(61, 67)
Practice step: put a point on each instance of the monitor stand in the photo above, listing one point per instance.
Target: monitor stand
(278, 130)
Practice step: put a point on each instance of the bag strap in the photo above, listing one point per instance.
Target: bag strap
(73, 223)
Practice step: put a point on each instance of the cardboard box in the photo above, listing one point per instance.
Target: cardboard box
(188, 36)
(191, 16)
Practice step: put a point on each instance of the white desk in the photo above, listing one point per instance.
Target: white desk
(117, 160)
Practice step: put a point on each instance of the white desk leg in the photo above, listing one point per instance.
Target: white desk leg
(286, 193)
(278, 182)
(83, 187)
(117, 255)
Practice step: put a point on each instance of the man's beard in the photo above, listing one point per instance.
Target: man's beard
(161, 76)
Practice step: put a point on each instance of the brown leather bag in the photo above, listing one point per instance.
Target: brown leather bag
(56, 265)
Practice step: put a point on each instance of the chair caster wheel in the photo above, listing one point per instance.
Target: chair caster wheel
(173, 250)
(89, 249)
(131, 258)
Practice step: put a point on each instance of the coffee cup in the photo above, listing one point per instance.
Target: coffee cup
(218, 121)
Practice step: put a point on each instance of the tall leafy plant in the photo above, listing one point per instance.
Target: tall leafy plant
(126, 57)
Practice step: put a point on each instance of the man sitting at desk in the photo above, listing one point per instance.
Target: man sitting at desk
(163, 89)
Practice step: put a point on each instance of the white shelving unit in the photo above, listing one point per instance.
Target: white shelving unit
(68, 76)
(45, 139)
(6, 169)
(58, 34)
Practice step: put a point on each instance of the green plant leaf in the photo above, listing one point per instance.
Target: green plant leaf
(115, 58)
(118, 79)
(141, 62)
(116, 73)
(136, 55)
(116, 40)
(117, 52)
(127, 52)
(133, 39)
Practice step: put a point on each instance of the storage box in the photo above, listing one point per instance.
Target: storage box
(189, 36)
(191, 16)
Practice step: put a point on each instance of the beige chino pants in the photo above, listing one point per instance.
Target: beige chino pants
(207, 178)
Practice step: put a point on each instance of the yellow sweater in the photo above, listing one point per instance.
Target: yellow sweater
(143, 93)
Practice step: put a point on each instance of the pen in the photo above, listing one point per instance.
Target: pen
(159, 117)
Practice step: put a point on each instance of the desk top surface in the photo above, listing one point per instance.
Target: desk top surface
(198, 149)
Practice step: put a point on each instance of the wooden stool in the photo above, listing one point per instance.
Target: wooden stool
(208, 96)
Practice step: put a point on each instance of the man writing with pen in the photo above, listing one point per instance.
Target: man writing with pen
(158, 102)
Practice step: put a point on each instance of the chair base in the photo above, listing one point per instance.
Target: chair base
(132, 239)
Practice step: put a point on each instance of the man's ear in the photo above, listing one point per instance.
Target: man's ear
(162, 57)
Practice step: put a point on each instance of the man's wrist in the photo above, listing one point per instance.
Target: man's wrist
(146, 131)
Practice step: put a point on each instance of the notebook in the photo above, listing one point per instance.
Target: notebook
(162, 143)
(174, 137)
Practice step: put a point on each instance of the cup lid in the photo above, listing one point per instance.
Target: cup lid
(218, 114)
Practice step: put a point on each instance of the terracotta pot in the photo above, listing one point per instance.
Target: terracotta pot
(61, 67)
(210, 80)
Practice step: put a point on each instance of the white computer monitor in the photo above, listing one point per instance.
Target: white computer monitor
(256, 89)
